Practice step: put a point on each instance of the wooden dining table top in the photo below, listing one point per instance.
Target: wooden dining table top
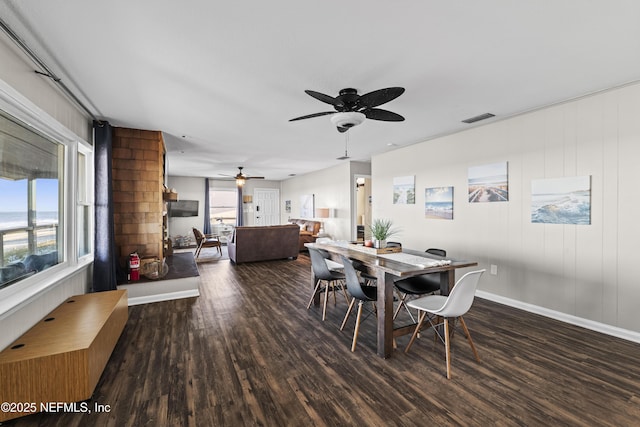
(391, 266)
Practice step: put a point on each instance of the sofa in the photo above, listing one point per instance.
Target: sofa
(309, 230)
(263, 243)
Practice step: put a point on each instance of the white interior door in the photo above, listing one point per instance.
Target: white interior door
(266, 206)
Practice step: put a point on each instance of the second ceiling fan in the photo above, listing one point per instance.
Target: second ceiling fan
(241, 178)
(351, 109)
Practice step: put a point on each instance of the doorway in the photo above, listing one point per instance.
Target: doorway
(363, 206)
(266, 206)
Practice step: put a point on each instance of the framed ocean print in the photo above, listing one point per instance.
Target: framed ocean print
(438, 203)
(561, 200)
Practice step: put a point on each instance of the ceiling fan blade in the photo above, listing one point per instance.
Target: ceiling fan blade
(383, 115)
(321, 97)
(254, 177)
(380, 96)
(309, 116)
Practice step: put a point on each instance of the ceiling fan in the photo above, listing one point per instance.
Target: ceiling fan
(241, 178)
(352, 109)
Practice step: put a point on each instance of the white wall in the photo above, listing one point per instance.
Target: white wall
(18, 73)
(333, 188)
(587, 271)
(190, 188)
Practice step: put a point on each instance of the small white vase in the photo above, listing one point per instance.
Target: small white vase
(379, 244)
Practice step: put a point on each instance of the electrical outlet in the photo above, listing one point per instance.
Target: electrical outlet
(494, 269)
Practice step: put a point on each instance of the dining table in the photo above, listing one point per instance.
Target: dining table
(388, 267)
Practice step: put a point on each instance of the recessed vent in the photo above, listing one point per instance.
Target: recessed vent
(478, 118)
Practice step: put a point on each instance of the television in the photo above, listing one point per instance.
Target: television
(183, 208)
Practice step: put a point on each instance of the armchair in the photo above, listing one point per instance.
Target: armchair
(206, 241)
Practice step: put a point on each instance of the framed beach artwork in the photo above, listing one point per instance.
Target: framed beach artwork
(438, 203)
(404, 190)
(306, 206)
(488, 183)
(561, 200)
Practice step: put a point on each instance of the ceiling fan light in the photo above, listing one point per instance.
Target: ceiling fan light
(347, 119)
(240, 181)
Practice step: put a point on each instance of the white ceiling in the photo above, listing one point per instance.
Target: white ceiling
(221, 79)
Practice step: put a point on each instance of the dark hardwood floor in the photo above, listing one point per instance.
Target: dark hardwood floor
(247, 352)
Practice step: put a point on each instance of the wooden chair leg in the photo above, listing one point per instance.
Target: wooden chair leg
(400, 304)
(466, 331)
(421, 317)
(346, 316)
(333, 290)
(447, 347)
(344, 291)
(313, 295)
(357, 328)
(326, 298)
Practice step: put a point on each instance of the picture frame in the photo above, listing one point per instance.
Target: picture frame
(307, 207)
(438, 203)
(488, 183)
(404, 190)
(561, 200)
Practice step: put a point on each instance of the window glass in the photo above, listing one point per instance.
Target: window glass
(31, 174)
(84, 210)
(223, 206)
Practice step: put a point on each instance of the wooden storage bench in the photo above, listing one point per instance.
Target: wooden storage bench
(62, 357)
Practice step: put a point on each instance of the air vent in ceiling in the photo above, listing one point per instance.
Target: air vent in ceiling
(478, 118)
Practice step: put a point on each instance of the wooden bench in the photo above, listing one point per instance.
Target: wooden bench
(62, 357)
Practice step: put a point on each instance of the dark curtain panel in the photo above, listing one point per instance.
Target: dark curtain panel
(239, 216)
(105, 259)
(206, 229)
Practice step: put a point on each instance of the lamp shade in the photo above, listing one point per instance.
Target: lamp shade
(322, 213)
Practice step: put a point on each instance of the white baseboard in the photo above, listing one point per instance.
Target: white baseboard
(563, 317)
(162, 290)
(163, 297)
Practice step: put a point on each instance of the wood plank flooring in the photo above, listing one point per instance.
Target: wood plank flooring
(247, 352)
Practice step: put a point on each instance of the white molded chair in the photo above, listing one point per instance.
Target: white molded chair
(453, 306)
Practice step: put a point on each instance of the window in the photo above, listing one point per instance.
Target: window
(31, 179)
(223, 206)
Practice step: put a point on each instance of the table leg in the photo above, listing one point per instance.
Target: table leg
(385, 313)
(447, 280)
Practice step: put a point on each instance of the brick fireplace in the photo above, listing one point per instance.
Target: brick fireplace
(138, 184)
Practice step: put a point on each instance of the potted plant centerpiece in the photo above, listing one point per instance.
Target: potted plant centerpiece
(381, 229)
